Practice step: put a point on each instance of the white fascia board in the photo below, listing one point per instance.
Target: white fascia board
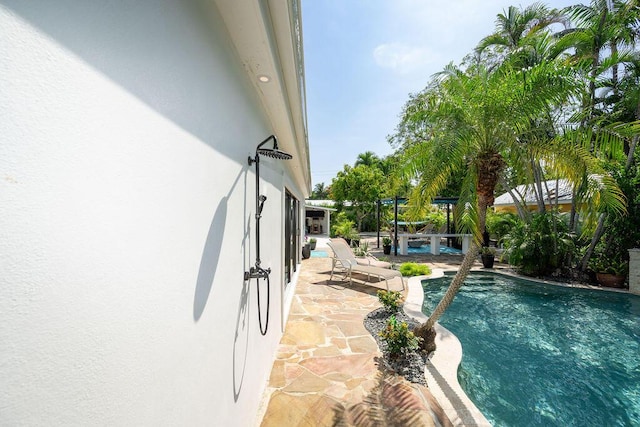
(267, 36)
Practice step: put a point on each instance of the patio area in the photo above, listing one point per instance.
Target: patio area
(326, 370)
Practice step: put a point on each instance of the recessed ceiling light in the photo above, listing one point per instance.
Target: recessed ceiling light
(264, 79)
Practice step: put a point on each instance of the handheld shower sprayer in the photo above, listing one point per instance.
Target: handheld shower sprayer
(262, 199)
(257, 272)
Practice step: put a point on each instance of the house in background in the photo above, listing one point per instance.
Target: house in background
(318, 216)
(554, 192)
(129, 207)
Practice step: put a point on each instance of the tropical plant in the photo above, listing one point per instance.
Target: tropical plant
(320, 192)
(386, 241)
(376, 409)
(500, 224)
(342, 226)
(368, 158)
(398, 337)
(607, 261)
(391, 300)
(601, 28)
(540, 246)
(474, 121)
(362, 250)
(410, 269)
(518, 34)
(487, 250)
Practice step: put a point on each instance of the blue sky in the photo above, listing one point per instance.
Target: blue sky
(364, 57)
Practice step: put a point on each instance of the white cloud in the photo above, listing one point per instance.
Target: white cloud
(402, 58)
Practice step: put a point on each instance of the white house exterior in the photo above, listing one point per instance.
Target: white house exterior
(127, 207)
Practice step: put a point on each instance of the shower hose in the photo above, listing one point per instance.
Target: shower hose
(266, 324)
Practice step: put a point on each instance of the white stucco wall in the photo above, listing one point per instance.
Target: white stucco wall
(126, 218)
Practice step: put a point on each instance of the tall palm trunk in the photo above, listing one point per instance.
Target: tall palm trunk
(490, 166)
(425, 330)
(537, 179)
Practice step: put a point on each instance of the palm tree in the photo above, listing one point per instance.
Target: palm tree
(473, 121)
(320, 191)
(518, 32)
(522, 37)
(368, 158)
(602, 28)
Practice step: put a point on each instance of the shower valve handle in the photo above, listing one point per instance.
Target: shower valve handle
(257, 273)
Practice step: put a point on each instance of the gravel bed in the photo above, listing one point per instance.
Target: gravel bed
(410, 365)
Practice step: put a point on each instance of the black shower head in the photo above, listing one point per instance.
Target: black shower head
(274, 153)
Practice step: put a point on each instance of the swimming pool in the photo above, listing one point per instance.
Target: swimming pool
(543, 355)
(426, 249)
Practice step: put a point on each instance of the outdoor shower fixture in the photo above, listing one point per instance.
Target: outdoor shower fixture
(257, 272)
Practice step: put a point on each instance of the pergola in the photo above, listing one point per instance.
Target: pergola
(396, 200)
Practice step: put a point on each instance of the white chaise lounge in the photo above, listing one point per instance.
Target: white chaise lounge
(345, 262)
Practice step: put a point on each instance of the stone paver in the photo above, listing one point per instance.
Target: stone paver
(326, 372)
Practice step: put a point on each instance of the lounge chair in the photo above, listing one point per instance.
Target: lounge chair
(344, 260)
(368, 260)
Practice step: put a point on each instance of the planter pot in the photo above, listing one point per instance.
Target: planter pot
(386, 249)
(487, 260)
(312, 245)
(611, 280)
(306, 251)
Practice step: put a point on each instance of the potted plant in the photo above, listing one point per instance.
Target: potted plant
(312, 243)
(610, 271)
(386, 245)
(488, 255)
(352, 238)
(306, 251)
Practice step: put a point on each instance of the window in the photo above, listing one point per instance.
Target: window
(291, 236)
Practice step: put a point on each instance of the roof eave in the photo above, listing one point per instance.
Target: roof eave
(267, 37)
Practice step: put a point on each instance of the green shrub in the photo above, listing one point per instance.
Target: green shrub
(500, 224)
(541, 246)
(361, 250)
(398, 337)
(392, 300)
(341, 225)
(409, 269)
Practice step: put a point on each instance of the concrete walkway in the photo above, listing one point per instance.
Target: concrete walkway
(326, 371)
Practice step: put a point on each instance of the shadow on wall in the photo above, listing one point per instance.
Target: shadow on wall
(213, 248)
(240, 346)
(206, 276)
(210, 259)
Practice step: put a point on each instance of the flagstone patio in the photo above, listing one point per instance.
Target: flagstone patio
(326, 371)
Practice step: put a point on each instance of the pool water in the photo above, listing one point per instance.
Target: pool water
(544, 355)
(426, 249)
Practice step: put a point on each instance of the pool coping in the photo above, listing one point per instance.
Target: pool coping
(441, 370)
